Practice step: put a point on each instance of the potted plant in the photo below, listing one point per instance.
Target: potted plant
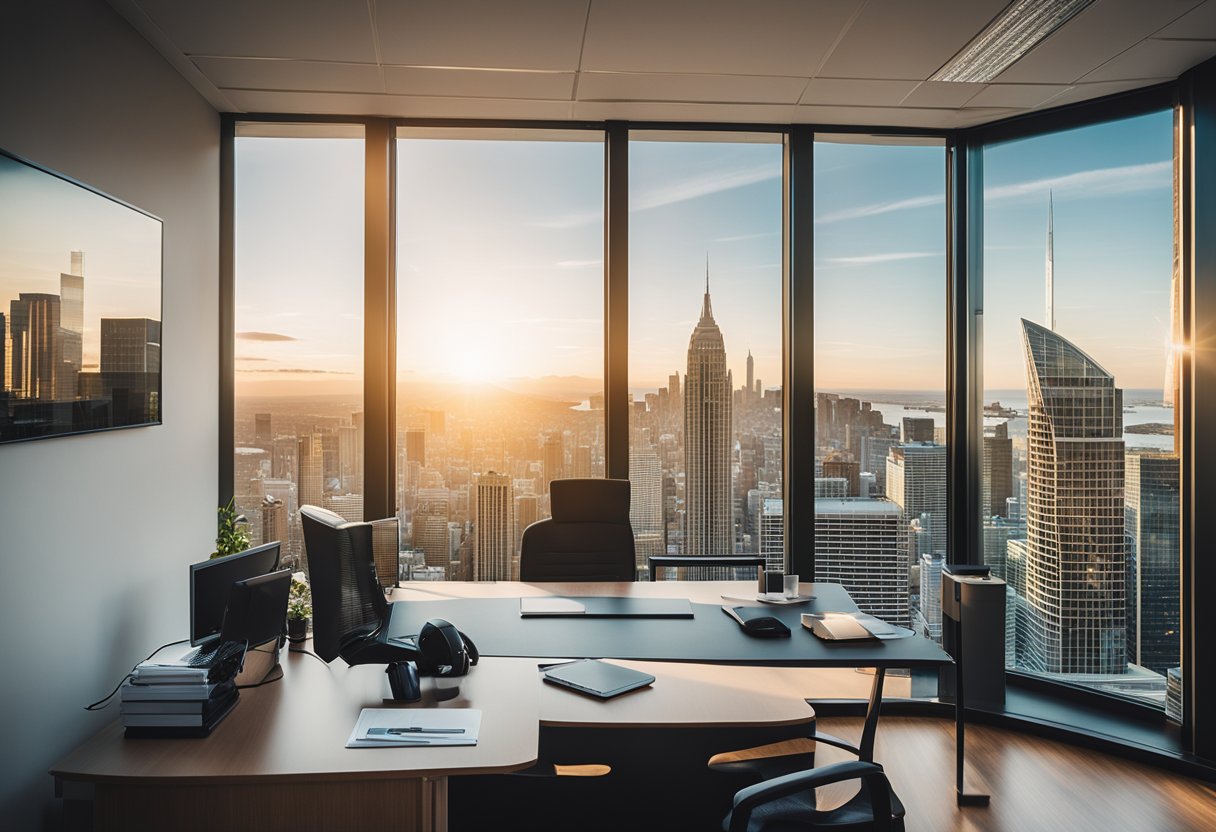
(299, 608)
(232, 534)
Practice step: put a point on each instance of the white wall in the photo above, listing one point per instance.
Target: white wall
(96, 531)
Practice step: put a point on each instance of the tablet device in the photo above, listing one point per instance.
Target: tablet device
(597, 678)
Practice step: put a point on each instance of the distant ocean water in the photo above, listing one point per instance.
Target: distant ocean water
(1140, 407)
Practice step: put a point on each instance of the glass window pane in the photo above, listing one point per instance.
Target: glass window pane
(705, 346)
(299, 332)
(1081, 488)
(880, 376)
(500, 333)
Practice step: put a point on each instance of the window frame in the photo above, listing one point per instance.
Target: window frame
(1192, 99)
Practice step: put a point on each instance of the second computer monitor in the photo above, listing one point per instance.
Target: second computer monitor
(211, 580)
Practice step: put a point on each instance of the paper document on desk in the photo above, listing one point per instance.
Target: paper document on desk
(842, 626)
(415, 727)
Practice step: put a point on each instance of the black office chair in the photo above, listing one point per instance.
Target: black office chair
(588, 537)
(787, 804)
(350, 616)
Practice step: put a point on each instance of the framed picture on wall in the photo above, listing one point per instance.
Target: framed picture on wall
(80, 307)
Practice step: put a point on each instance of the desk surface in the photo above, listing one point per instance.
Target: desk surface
(489, 614)
(296, 729)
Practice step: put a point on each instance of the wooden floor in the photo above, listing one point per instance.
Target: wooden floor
(1036, 784)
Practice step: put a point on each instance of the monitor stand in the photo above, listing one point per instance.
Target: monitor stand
(260, 661)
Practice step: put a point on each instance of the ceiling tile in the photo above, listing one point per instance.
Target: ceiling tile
(1087, 92)
(941, 94)
(1015, 95)
(521, 34)
(982, 115)
(404, 106)
(1093, 37)
(1154, 58)
(710, 37)
(281, 74)
(318, 30)
(875, 116)
(639, 86)
(910, 41)
(859, 92)
(478, 83)
(1199, 23)
(681, 111)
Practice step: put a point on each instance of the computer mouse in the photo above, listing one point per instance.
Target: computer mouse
(766, 627)
(403, 681)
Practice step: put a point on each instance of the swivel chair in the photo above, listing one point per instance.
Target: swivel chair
(349, 614)
(787, 804)
(588, 537)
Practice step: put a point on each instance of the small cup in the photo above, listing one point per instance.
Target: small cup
(791, 586)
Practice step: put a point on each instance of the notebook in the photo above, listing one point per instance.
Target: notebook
(597, 678)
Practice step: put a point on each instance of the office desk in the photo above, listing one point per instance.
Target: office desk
(278, 762)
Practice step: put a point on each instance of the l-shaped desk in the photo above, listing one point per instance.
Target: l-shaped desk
(279, 762)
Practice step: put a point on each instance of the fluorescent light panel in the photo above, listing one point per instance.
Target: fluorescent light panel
(1021, 27)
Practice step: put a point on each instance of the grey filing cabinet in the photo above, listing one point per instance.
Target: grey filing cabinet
(973, 630)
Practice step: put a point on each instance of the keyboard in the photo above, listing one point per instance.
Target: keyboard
(200, 657)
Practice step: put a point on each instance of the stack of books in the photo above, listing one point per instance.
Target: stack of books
(174, 701)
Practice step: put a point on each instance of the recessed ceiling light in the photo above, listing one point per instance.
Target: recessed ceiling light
(1014, 32)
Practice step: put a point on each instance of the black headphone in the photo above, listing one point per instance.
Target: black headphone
(445, 650)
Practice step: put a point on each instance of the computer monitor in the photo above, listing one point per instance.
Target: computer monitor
(257, 609)
(211, 581)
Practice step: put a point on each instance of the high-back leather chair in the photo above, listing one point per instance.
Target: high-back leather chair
(588, 537)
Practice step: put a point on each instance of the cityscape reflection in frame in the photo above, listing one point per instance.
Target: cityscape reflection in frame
(80, 307)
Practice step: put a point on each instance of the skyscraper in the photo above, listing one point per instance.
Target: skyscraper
(646, 502)
(310, 482)
(493, 529)
(274, 521)
(916, 482)
(751, 376)
(1074, 580)
(771, 524)
(552, 461)
(71, 323)
(263, 433)
(130, 345)
(430, 522)
(1151, 505)
(415, 445)
(5, 369)
(708, 521)
(997, 484)
(916, 429)
(527, 512)
(37, 345)
(857, 545)
(931, 594)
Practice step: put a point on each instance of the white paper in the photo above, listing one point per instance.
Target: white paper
(550, 605)
(467, 719)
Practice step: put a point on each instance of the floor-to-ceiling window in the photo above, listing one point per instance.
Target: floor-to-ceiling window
(500, 338)
(1080, 508)
(880, 374)
(705, 348)
(298, 297)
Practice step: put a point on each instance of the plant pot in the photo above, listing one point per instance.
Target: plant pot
(297, 629)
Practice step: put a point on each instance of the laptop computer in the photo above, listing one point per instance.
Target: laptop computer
(597, 678)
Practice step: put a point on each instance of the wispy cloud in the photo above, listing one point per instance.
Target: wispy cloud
(251, 358)
(264, 336)
(887, 257)
(877, 208)
(299, 370)
(1124, 179)
(740, 237)
(538, 321)
(703, 184)
(578, 264)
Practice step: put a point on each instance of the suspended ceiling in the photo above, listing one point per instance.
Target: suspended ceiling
(860, 62)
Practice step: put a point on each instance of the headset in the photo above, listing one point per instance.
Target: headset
(444, 650)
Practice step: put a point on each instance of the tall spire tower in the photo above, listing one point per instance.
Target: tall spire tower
(708, 519)
(1051, 281)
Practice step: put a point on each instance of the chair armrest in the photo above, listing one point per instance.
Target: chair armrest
(753, 796)
(829, 739)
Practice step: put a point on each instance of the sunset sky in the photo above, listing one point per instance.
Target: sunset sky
(43, 219)
(500, 252)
